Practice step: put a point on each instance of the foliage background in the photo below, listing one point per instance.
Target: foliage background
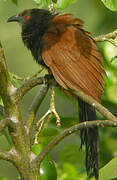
(98, 20)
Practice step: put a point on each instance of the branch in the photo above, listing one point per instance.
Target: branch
(6, 88)
(4, 76)
(35, 105)
(9, 155)
(5, 155)
(69, 131)
(28, 78)
(7, 122)
(40, 80)
(105, 112)
(107, 37)
(51, 8)
(28, 85)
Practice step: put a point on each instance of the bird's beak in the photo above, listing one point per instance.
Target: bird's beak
(14, 18)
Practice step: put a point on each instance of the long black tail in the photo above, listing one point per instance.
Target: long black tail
(89, 137)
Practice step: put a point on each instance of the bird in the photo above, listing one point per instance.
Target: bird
(60, 44)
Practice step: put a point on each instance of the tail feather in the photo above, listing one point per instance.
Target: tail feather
(89, 137)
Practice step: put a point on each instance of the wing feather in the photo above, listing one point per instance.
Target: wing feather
(72, 56)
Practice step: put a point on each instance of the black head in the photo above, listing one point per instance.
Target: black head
(34, 23)
(31, 16)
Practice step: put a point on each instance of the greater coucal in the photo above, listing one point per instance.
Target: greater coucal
(59, 43)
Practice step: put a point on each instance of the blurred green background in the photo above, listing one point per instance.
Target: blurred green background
(98, 20)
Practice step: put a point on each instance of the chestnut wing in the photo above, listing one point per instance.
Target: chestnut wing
(72, 56)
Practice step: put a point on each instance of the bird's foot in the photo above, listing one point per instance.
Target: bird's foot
(51, 111)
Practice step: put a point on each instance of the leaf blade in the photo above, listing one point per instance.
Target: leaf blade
(110, 4)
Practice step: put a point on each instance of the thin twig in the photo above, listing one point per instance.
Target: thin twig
(105, 112)
(28, 85)
(28, 78)
(33, 82)
(69, 131)
(106, 37)
(51, 8)
(51, 5)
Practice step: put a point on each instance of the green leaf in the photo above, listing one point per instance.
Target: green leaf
(108, 172)
(111, 93)
(4, 144)
(42, 3)
(5, 132)
(62, 4)
(110, 4)
(15, 1)
(37, 148)
(112, 55)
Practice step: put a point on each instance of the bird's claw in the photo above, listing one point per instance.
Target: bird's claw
(51, 111)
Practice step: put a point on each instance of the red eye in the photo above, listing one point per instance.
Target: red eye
(26, 17)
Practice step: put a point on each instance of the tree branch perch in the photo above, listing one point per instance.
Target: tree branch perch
(107, 36)
(69, 131)
(28, 85)
(105, 112)
(6, 155)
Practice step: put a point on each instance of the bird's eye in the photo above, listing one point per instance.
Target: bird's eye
(27, 18)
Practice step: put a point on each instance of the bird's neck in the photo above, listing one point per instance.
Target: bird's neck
(32, 36)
